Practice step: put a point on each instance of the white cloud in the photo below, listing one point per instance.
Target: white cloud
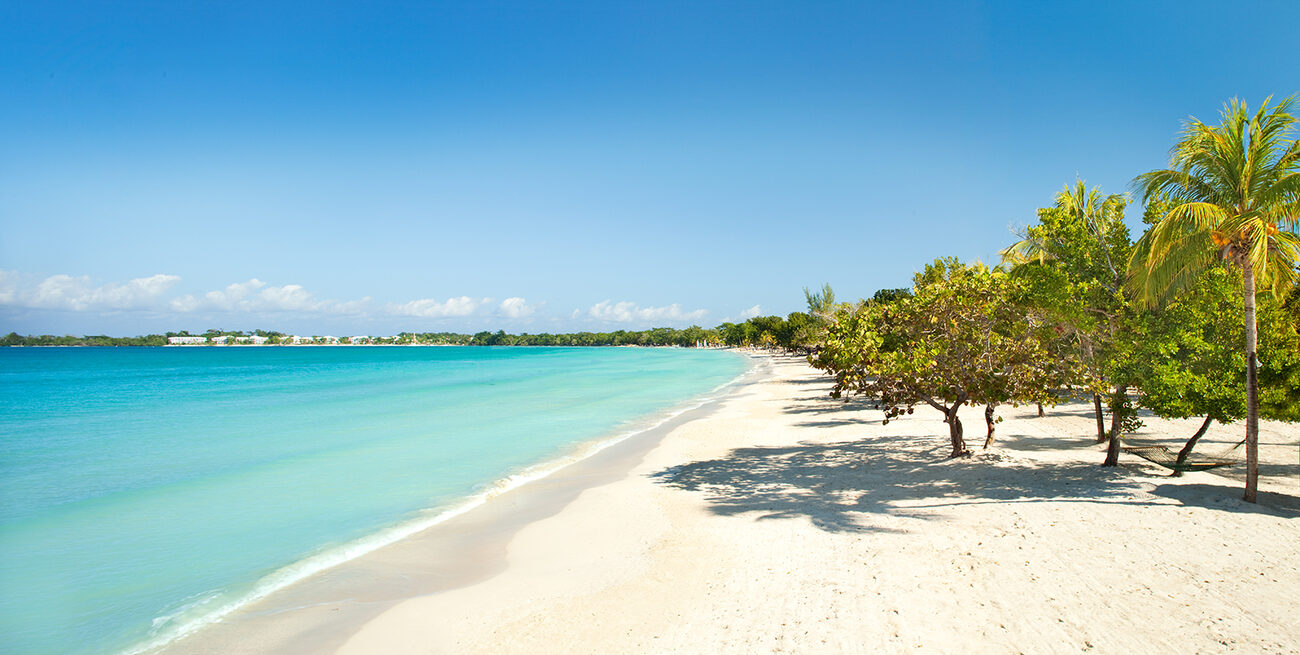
(351, 307)
(627, 312)
(254, 296)
(516, 308)
(66, 292)
(228, 299)
(751, 312)
(81, 294)
(289, 298)
(186, 303)
(430, 308)
(9, 287)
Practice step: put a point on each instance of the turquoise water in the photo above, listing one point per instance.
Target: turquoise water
(146, 490)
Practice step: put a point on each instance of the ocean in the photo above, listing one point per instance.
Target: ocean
(147, 491)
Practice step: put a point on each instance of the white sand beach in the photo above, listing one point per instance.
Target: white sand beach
(784, 521)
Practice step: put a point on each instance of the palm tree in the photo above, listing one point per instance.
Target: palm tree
(1101, 217)
(1098, 212)
(1232, 194)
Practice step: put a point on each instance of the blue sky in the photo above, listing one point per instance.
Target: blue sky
(372, 167)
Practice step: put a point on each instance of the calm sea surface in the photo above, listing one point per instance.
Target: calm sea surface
(144, 491)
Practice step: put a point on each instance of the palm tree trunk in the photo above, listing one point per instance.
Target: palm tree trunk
(1101, 422)
(1252, 386)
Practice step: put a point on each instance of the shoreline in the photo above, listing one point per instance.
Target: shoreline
(789, 522)
(783, 521)
(445, 554)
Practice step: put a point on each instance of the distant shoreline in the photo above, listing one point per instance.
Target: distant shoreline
(370, 345)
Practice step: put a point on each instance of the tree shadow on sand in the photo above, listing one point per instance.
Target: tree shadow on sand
(1227, 498)
(837, 422)
(810, 381)
(830, 406)
(839, 486)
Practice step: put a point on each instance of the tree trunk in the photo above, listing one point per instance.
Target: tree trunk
(1040, 409)
(955, 432)
(988, 420)
(1116, 414)
(1191, 443)
(1101, 422)
(1252, 386)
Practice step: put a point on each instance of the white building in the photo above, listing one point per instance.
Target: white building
(255, 340)
(186, 341)
(362, 339)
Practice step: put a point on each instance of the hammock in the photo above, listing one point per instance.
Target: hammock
(1167, 458)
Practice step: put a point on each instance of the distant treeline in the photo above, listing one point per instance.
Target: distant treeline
(14, 339)
(794, 332)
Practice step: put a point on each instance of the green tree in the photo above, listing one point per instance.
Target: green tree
(1074, 262)
(1279, 369)
(884, 296)
(1193, 360)
(821, 311)
(962, 339)
(1190, 358)
(822, 302)
(1233, 192)
(798, 332)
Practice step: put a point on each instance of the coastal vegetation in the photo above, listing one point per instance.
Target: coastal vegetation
(1073, 263)
(1190, 357)
(793, 332)
(15, 339)
(964, 336)
(1232, 197)
(1077, 307)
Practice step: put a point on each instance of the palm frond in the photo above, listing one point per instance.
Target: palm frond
(1025, 251)
(1288, 215)
(1153, 280)
(1280, 275)
(1181, 223)
(1233, 188)
(1176, 186)
(1284, 189)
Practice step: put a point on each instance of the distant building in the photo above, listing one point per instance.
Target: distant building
(300, 340)
(255, 340)
(362, 339)
(329, 339)
(221, 339)
(186, 341)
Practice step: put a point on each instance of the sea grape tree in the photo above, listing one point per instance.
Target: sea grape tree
(963, 337)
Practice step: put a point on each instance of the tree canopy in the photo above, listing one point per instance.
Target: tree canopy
(962, 338)
(1231, 194)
